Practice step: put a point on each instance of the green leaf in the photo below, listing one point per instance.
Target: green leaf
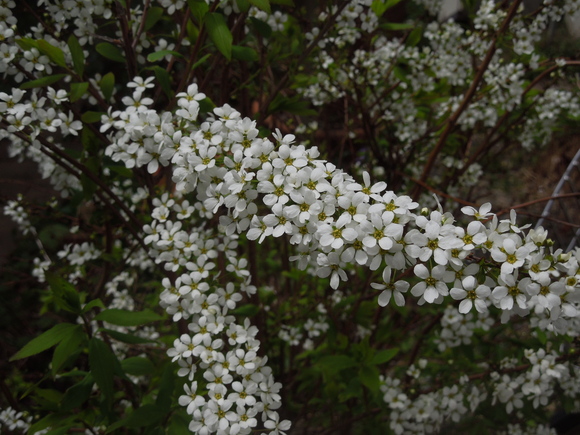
(128, 318)
(54, 53)
(107, 85)
(542, 337)
(77, 54)
(384, 356)
(90, 117)
(67, 347)
(219, 33)
(158, 55)
(179, 424)
(283, 2)
(397, 26)
(154, 14)
(414, 37)
(126, 338)
(43, 81)
(206, 105)
(295, 105)
(243, 5)
(166, 387)
(137, 366)
(61, 430)
(369, 376)
(244, 53)
(92, 304)
(263, 5)
(262, 27)
(164, 80)
(27, 43)
(247, 310)
(45, 340)
(110, 52)
(198, 9)
(201, 61)
(64, 293)
(77, 90)
(78, 394)
(50, 420)
(102, 362)
(334, 363)
(146, 415)
(380, 6)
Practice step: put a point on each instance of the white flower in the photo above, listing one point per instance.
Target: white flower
(394, 289)
(434, 284)
(471, 294)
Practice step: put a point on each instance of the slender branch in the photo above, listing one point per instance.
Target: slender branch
(536, 201)
(141, 25)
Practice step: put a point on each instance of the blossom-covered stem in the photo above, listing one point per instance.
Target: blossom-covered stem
(539, 200)
(452, 120)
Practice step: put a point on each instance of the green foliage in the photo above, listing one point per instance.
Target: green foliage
(43, 81)
(128, 318)
(46, 340)
(219, 33)
(110, 51)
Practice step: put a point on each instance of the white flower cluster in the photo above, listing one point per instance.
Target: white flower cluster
(537, 384)
(237, 183)
(18, 214)
(532, 383)
(427, 413)
(334, 222)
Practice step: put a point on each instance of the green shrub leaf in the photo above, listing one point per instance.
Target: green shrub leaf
(263, 5)
(128, 318)
(77, 54)
(110, 52)
(43, 81)
(244, 53)
(102, 362)
(64, 293)
(45, 340)
(137, 366)
(107, 85)
(54, 53)
(67, 347)
(158, 55)
(384, 356)
(77, 90)
(219, 33)
(154, 14)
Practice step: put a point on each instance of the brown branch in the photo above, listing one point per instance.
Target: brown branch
(536, 201)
